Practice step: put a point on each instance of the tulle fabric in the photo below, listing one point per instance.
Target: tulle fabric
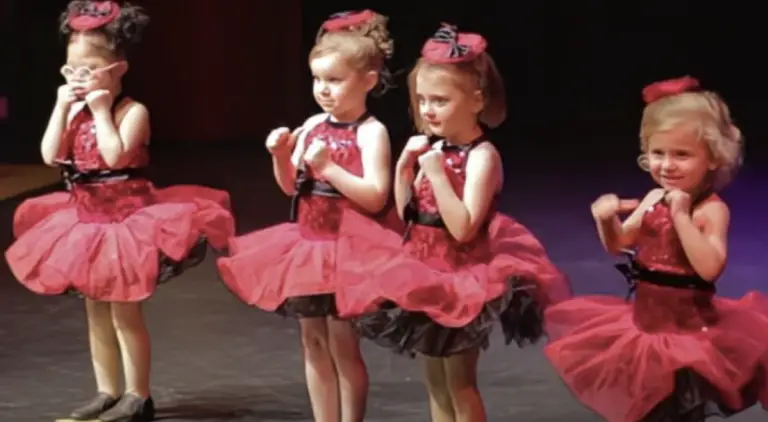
(56, 251)
(268, 266)
(289, 268)
(681, 364)
(407, 305)
(377, 270)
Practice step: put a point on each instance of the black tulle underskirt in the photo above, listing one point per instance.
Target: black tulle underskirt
(415, 333)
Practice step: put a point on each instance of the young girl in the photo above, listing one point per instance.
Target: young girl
(113, 236)
(463, 266)
(677, 353)
(336, 160)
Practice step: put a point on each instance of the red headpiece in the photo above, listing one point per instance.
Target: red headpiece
(347, 20)
(92, 15)
(450, 46)
(658, 90)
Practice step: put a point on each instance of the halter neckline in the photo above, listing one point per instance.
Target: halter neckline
(353, 123)
(445, 147)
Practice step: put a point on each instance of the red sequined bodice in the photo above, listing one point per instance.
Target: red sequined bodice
(662, 308)
(436, 246)
(658, 246)
(105, 202)
(320, 216)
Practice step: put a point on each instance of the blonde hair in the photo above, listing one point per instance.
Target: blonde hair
(713, 123)
(366, 47)
(482, 72)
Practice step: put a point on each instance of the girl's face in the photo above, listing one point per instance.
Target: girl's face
(446, 105)
(91, 66)
(340, 89)
(679, 159)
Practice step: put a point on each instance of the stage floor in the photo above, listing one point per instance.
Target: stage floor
(16, 179)
(217, 360)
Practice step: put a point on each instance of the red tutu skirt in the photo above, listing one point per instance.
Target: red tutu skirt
(685, 364)
(410, 305)
(291, 268)
(56, 251)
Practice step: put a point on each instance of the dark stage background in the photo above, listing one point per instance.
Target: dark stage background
(218, 73)
(4, 68)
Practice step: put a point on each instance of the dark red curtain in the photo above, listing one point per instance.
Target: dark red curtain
(5, 13)
(220, 70)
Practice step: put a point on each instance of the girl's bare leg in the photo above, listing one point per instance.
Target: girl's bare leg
(135, 346)
(461, 376)
(322, 381)
(350, 366)
(440, 402)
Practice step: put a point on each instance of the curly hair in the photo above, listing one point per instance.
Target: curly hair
(714, 125)
(122, 34)
(367, 47)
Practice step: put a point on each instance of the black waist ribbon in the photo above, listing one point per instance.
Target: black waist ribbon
(74, 176)
(306, 186)
(633, 271)
(411, 215)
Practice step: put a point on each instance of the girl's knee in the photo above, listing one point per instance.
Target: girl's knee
(461, 377)
(99, 315)
(457, 385)
(344, 343)
(314, 339)
(128, 317)
(440, 395)
(95, 309)
(435, 381)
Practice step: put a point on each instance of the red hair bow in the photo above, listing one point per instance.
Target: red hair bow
(661, 89)
(92, 15)
(345, 20)
(450, 46)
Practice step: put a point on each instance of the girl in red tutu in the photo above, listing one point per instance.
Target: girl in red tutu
(337, 160)
(461, 266)
(677, 352)
(113, 237)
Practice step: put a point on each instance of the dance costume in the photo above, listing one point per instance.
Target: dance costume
(291, 268)
(432, 295)
(675, 353)
(113, 236)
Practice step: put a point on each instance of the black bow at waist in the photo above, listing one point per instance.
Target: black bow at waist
(633, 272)
(306, 186)
(74, 176)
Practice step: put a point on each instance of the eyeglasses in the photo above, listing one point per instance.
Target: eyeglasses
(84, 73)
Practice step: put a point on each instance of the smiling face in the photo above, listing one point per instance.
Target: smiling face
(679, 158)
